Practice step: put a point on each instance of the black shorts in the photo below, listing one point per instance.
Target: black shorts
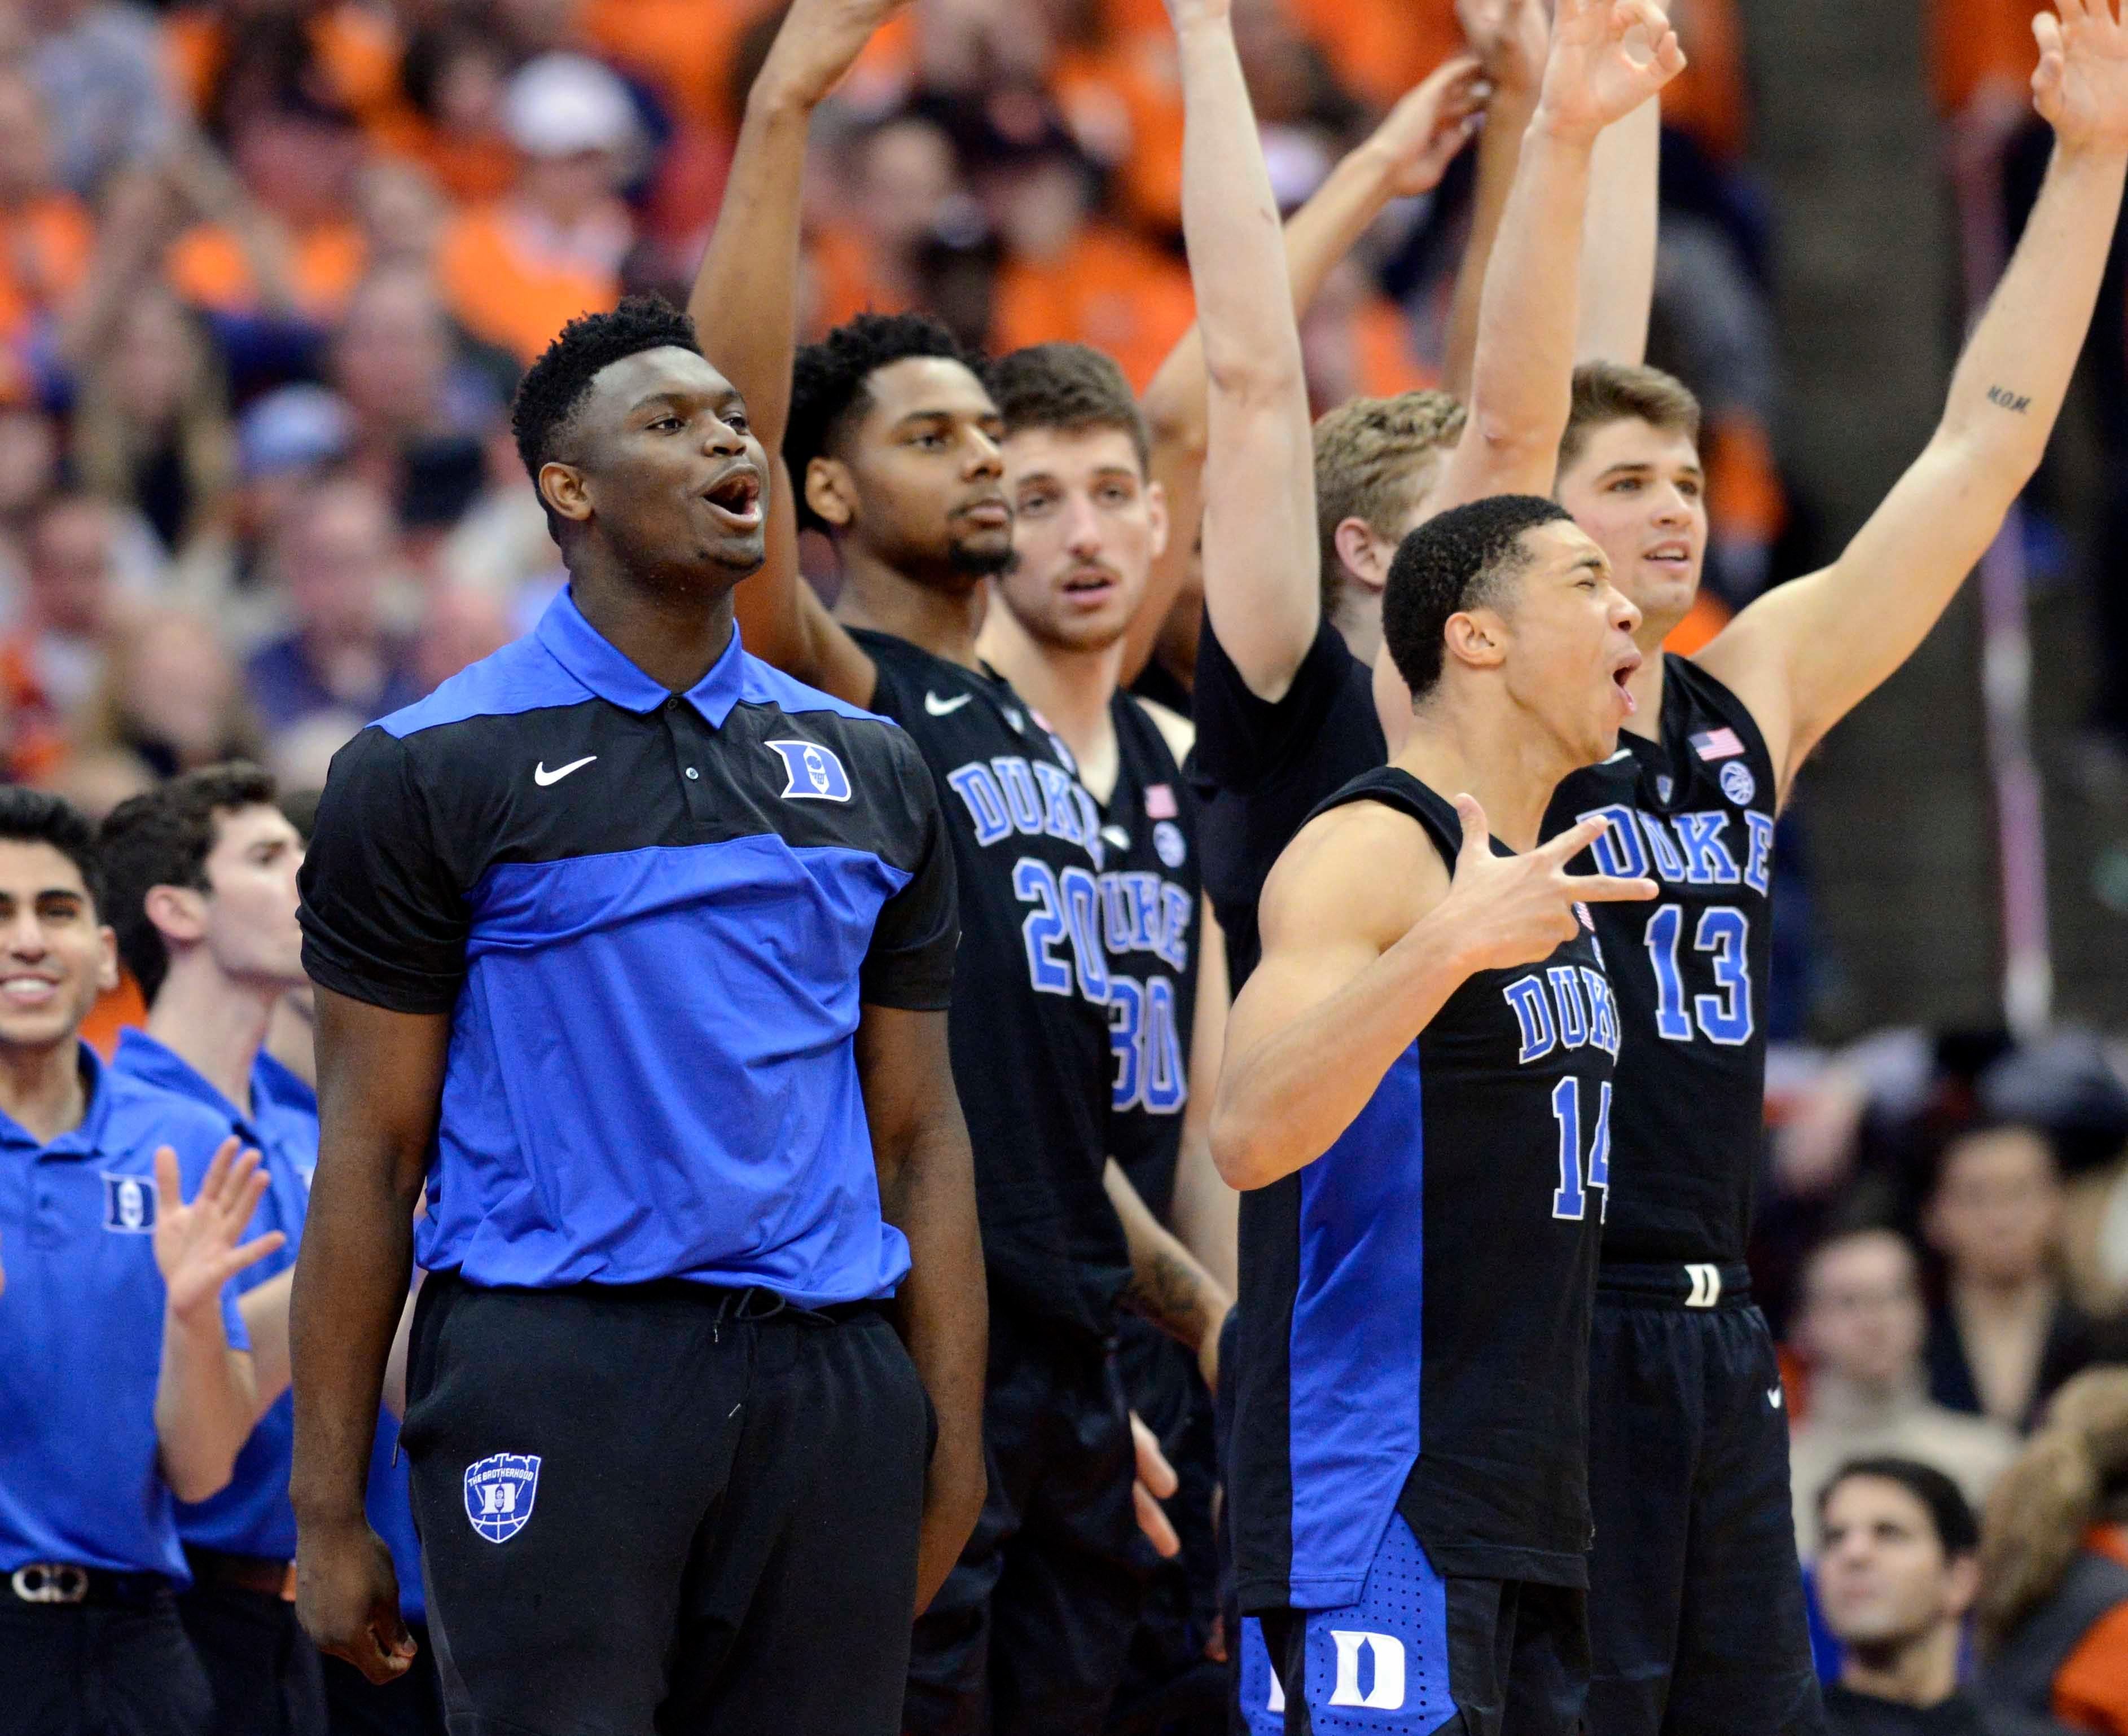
(664, 1505)
(86, 1670)
(1695, 1597)
(1028, 1635)
(1419, 1652)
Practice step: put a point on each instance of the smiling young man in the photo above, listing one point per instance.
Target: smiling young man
(126, 1379)
(1695, 1608)
(638, 952)
(202, 877)
(892, 441)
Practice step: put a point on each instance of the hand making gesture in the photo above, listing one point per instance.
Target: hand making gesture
(2080, 86)
(1510, 910)
(1608, 58)
(197, 1245)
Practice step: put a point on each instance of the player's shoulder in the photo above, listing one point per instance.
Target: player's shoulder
(524, 675)
(1362, 866)
(139, 1115)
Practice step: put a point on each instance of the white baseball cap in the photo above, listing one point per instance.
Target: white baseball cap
(560, 105)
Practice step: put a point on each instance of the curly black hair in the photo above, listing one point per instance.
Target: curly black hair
(550, 392)
(827, 383)
(1454, 561)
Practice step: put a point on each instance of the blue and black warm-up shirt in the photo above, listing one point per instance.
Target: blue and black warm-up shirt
(652, 917)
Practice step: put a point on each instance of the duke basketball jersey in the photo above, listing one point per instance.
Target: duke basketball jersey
(1029, 1024)
(1694, 811)
(1417, 1332)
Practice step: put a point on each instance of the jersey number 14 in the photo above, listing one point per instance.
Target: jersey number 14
(1571, 1199)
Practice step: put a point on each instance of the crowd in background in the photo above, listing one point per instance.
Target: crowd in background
(269, 270)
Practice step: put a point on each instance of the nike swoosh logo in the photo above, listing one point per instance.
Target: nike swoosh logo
(543, 777)
(939, 708)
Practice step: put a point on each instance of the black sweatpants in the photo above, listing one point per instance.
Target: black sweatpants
(1695, 1599)
(1028, 1635)
(664, 1508)
(95, 1670)
(413, 1706)
(261, 1668)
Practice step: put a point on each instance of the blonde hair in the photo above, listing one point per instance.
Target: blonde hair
(2050, 1497)
(1374, 459)
(1614, 392)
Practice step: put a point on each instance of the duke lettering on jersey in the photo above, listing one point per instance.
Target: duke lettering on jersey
(1029, 1028)
(1692, 810)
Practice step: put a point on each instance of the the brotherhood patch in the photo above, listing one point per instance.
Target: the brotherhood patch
(499, 1492)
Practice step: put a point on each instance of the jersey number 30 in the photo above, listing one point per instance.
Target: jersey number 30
(1570, 1199)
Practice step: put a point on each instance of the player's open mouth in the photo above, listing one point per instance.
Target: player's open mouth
(27, 991)
(735, 497)
(1622, 677)
(1675, 553)
(1090, 585)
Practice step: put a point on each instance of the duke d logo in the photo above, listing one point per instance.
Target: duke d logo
(499, 1492)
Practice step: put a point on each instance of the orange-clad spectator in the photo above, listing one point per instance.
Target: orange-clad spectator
(682, 49)
(281, 237)
(123, 1008)
(2054, 1567)
(1121, 95)
(354, 48)
(1378, 48)
(1708, 99)
(452, 126)
(46, 235)
(905, 186)
(517, 271)
(1069, 274)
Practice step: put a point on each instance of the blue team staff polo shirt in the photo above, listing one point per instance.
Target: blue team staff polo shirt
(652, 917)
(81, 1330)
(251, 1515)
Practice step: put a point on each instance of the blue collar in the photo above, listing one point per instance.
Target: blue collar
(589, 655)
(273, 1082)
(141, 1056)
(79, 1141)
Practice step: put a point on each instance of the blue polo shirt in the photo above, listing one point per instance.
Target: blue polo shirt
(81, 1330)
(652, 918)
(251, 1515)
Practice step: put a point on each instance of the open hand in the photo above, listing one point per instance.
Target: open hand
(820, 41)
(2080, 86)
(1419, 138)
(1608, 58)
(196, 1245)
(1155, 1483)
(1511, 910)
(1510, 38)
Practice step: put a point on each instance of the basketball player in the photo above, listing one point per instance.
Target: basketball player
(1696, 1611)
(1419, 1096)
(892, 442)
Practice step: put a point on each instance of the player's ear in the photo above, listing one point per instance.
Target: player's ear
(106, 962)
(564, 491)
(1364, 552)
(179, 912)
(831, 491)
(1156, 517)
(1474, 638)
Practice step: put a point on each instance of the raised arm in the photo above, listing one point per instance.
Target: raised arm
(1365, 937)
(744, 305)
(1405, 156)
(380, 1082)
(1805, 653)
(1207, 1211)
(1608, 58)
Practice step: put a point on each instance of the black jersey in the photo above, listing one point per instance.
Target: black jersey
(1150, 889)
(1029, 1025)
(1262, 765)
(1416, 1334)
(1694, 811)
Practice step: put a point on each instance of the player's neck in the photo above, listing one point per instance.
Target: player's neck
(41, 1089)
(215, 1025)
(1453, 749)
(1920, 1672)
(674, 637)
(940, 619)
(1070, 687)
(1645, 685)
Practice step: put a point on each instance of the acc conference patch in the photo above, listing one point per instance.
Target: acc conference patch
(499, 1492)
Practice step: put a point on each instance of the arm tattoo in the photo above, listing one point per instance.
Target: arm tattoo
(1165, 1290)
(2009, 400)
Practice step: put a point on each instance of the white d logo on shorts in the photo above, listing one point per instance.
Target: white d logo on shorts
(1387, 1693)
(499, 1493)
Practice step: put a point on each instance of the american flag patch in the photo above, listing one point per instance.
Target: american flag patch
(1717, 744)
(1160, 802)
(1581, 910)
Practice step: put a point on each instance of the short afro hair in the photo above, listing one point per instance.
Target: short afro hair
(550, 393)
(1070, 389)
(827, 390)
(1454, 561)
